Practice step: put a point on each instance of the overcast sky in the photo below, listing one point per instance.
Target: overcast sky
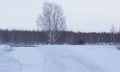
(81, 15)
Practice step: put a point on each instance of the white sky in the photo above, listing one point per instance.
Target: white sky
(81, 15)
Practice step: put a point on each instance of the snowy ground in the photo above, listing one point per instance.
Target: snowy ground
(60, 58)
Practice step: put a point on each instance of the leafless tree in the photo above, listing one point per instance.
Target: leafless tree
(52, 21)
(113, 33)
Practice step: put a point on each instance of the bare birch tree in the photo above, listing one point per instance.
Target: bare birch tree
(113, 33)
(52, 21)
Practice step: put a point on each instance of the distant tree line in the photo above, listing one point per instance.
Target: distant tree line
(66, 37)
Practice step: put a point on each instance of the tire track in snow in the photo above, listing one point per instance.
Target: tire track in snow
(85, 64)
(56, 61)
(30, 68)
(53, 61)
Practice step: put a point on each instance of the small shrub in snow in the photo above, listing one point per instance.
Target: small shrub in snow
(81, 42)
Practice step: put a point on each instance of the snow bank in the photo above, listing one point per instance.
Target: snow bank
(9, 64)
(31, 58)
(5, 49)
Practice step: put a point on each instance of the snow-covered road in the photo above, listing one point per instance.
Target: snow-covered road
(67, 58)
(57, 61)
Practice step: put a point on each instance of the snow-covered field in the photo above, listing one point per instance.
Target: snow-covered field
(60, 58)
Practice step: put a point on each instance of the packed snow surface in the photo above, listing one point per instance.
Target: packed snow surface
(60, 58)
